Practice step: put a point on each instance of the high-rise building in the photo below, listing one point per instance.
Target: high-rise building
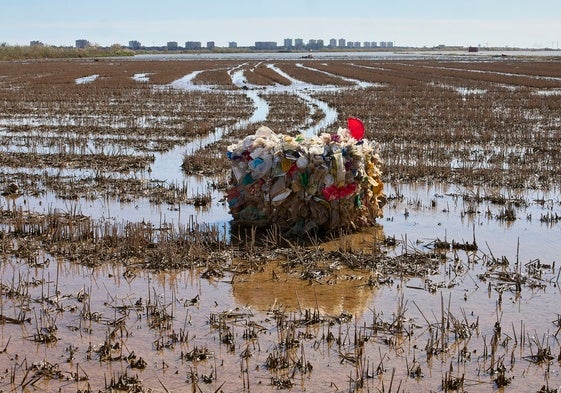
(210, 45)
(232, 44)
(288, 43)
(342, 43)
(265, 45)
(332, 43)
(192, 45)
(82, 43)
(315, 44)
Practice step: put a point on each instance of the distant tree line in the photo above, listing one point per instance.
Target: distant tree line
(11, 52)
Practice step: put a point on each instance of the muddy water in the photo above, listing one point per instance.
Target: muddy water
(272, 287)
(448, 212)
(105, 296)
(162, 317)
(344, 291)
(141, 315)
(84, 305)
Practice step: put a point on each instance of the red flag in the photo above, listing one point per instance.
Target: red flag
(356, 127)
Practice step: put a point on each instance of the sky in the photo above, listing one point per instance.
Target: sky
(496, 23)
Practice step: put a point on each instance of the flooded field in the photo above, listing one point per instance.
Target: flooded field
(121, 269)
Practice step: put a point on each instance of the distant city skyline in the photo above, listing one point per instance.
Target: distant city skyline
(410, 23)
(287, 43)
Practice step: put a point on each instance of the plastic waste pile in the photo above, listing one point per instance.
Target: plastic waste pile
(306, 184)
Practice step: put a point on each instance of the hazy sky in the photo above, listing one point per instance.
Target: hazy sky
(521, 23)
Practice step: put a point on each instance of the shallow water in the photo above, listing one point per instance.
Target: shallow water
(114, 292)
(115, 304)
(377, 55)
(440, 212)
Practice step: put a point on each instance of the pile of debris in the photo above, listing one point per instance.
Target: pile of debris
(306, 184)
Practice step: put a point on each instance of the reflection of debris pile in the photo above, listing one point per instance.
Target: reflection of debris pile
(304, 184)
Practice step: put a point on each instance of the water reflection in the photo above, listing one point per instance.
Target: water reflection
(273, 288)
(329, 289)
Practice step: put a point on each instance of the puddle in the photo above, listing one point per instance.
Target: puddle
(86, 79)
(447, 213)
(142, 77)
(549, 92)
(186, 83)
(464, 91)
